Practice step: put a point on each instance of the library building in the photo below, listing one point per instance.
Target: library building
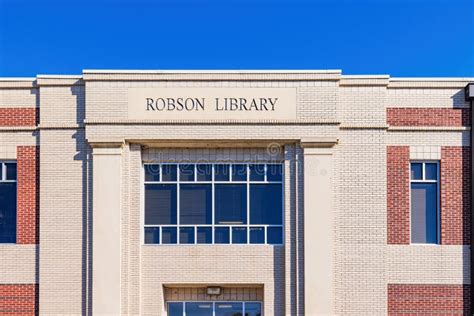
(235, 193)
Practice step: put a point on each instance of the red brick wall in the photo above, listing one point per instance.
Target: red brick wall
(28, 195)
(455, 195)
(428, 117)
(428, 299)
(18, 299)
(398, 203)
(19, 116)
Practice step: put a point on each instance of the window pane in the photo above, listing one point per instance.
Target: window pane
(204, 235)
(160, 204)
(11, 170)
(431, 171)
(239, 172)
(416, 171)
(175, 309)
(152, 172)
(266, 204)
(274, 172)
(424, 206)
(257, 235)
(7, 212)
(221, 172)
(204, 172)
(257, 172)
(253, 309)
(231, 204)
(239, 235)
(221, 235)
(274, 235)
(229, 309)
(186, 235)
(199, 309)
(1, 171)
(186, 172)
(168, 172)
(169, 235)
(195, 202)
(152, 235)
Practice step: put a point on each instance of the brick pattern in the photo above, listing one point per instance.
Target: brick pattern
(18, 299)
(398, 195)
(19, 116)
(428, 117)
(455, 195)
(28, 195)
(429, 299)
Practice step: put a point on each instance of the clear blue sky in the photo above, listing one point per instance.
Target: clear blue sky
(396, 37)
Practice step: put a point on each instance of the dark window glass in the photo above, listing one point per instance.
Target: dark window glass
(175, 309)
(1, 171)
(186, 172)
(186, 235)
(274, 172)
(168, 173)
(424, 217)
(257, 235)
(152, 235)
(230, 204)
(195, 202)
(274, 235)
(253, 309)
(431, 171)
(221, 172)
(152, 172)
(8, 212)
(160, 204)
(204, 172)
(199, 309)
(11, 170)
(239, 235)
(221, 235)
(257, 172)
(239, 172)
(168, 235)
(416, 171)
(229, 309)
(266, 204)
(204, 235)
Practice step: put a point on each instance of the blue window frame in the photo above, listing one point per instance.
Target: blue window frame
(211, 308)
(8, 201)
(213, 203)
(424, 192)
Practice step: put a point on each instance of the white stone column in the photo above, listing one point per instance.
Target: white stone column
(106, 199)
(318, 226)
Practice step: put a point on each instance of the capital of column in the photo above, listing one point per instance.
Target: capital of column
(318, 145)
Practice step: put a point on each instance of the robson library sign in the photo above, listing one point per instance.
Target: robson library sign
(212, 103)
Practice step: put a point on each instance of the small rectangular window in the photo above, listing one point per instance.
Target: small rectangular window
(222, 172)
(231, 203)
(8, 202)
(424, 188)
(160, 204)
(186, 173)
(204, 172)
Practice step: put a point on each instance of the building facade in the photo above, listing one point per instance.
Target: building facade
(234, 192)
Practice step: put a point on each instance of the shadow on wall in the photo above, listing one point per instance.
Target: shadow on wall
(294, 222)
(83, 154)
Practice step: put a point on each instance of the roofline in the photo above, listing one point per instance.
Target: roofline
(59, 76)
(243, 71)
(432, 79)
(17, 79)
